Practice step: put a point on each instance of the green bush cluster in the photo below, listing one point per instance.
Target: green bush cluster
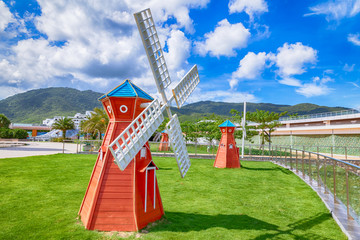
(13, 133)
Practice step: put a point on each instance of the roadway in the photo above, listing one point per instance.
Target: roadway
(34, 149)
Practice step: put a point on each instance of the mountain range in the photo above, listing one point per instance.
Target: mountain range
(36, 105)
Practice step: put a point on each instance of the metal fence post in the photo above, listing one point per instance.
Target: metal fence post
(296, 161)
(318, 169)
(347, 192)
(250, 152)
(334, 173)
(332, 151)
(302, 160)
(310, 173)
(280, 155)
(325, 173)
(291, 163)
(345, 153)
(285, 161)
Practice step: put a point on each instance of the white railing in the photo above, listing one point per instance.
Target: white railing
(321, 115)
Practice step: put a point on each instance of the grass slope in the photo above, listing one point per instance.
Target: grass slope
(40, 198)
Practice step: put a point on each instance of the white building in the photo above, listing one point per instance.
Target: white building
(77, 119)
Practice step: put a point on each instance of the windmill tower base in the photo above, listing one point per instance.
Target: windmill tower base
(122, 200)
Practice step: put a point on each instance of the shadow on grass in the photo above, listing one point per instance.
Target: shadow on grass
(186, 222)
(165, 168)
(275, 168)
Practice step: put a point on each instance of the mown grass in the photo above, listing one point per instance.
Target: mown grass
(41, 196)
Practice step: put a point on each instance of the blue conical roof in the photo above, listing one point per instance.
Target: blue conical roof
(227, 123)
(127, 89)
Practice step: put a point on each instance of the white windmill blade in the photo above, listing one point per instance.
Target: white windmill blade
(154, 52)
(125, 147)
(178, 145)
(186, 86)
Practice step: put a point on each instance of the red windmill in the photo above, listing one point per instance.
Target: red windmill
(134, 190)
(123, 194)
(227, 155)
(164, 142)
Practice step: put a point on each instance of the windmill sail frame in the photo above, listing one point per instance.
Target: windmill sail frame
(125, 147)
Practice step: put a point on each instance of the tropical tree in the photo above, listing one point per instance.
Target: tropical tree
(209, 127)
(4, 121)
(267, 123)
(97, 123)
(63, 124)
(250, 130)
(191, 131)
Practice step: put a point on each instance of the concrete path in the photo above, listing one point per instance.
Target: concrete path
(36, 148)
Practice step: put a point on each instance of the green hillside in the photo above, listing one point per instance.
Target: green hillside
(206, 108)
(36, 105)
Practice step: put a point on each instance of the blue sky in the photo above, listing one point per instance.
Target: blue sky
(279, 51)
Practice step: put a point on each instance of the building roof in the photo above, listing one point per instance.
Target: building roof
(227, 123)
(127, 89)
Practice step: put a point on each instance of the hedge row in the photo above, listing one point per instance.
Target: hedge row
(13, 133)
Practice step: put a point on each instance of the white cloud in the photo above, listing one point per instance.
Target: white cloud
(313, 89)
(163, 10)
(7, 91)
(291, 59)
(250, 67)
(336, 9)
(251, 7)
(5, 16)
(224, 39)
(101, 45)
(354, 84)
(316, 88)
(349, 68)
(290, 82)
(179, 50)
(354, 38)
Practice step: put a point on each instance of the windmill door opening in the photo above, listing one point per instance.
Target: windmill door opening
(150, 186)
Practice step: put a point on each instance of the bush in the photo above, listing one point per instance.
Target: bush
(20, 133)
(6, 133)
(13, 133)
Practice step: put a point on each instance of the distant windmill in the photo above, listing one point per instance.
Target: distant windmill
(164, 142)
(129, 199)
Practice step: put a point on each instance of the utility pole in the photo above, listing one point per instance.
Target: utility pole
(244, 130)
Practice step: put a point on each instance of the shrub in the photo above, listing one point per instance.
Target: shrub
(6, 133)
(19, 133)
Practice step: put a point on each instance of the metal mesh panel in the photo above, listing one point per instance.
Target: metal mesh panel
(186, 86)
(153, 48)
(125, 147)
(178, 145)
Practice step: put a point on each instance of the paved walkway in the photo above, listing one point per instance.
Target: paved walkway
(36, 148)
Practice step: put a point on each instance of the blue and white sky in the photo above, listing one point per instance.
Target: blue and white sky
(278, 51)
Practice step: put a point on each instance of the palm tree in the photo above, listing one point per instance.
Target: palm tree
(97, 123)
(63, 124)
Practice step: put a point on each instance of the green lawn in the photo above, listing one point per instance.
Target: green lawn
(41, 196)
